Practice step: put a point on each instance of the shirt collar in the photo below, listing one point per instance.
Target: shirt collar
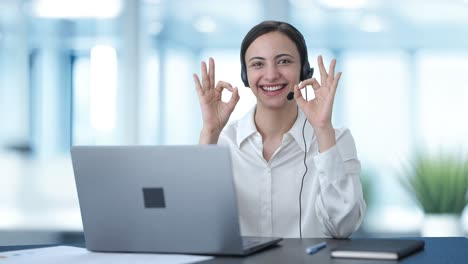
(246, 127)
(296, 131)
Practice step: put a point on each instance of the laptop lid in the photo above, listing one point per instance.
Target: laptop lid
(173, 199)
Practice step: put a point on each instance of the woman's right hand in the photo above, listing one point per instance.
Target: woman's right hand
(215, 112)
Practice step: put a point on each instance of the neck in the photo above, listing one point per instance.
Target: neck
(275, 122)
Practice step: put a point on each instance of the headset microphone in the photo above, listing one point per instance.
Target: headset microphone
(290, 96)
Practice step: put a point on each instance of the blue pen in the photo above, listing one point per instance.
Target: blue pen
(313, 249)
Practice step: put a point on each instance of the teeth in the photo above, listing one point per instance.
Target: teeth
(272, 88)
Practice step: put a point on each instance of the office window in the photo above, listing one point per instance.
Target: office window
(149, 107)
(442, 109)
(14, 92)
(181, 124)
(94, 96)
(377, 100)
(103, 78)
(81, 131)
(4, 83)
(50, 101)
(378, 105)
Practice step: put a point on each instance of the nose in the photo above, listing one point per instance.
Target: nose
(271, 73)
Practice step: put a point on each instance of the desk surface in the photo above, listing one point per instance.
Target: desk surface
(451, 250)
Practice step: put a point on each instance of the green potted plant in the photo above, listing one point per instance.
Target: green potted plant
(439, 184)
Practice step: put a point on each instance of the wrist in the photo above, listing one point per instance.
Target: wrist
(326, 128)
(325, 137)
(210, 131)
(209, 135)
(323, 127)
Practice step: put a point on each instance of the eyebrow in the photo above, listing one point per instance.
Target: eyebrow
(276, 57)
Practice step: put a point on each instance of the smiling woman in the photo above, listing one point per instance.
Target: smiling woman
(267, 146)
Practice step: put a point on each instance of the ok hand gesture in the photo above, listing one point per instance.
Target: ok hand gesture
(215, 112)
(319, 110)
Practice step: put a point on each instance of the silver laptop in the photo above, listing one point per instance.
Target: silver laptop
(167, 199)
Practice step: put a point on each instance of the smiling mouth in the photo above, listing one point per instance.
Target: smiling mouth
(273, 88)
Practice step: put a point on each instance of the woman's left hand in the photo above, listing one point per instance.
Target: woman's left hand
(319, 110)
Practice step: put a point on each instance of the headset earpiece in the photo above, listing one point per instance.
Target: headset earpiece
(244, 75)
(306, 71)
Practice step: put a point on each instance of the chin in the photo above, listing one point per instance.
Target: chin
(274, 103)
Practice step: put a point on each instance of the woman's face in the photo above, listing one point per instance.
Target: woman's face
(273, 68)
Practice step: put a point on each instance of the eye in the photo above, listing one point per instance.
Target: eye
(284, 61)
(256, 64)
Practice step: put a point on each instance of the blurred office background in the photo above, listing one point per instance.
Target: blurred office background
(112, 72)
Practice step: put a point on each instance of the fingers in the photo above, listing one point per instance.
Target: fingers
(329, 78)
(335, 83)
(208, 75)
(234, 98)
(198, 85)
(315, 84)
(205, 79)
(208, 83)
(235, 92)
(323, 71)
(211, 71)
(221, 85)
(298, 96)
(332, 68)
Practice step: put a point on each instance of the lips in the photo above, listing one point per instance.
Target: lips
(272, 88)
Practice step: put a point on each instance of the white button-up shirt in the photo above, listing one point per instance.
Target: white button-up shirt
(268, 192)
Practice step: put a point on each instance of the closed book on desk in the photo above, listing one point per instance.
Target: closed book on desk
(389, 249)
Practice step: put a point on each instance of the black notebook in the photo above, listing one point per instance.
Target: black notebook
(390, 249)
